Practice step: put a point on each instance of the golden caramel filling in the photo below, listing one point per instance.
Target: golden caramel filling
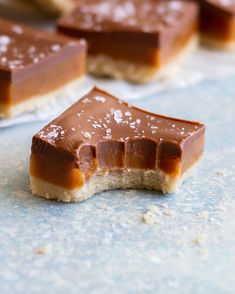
(64, 174)
(54, 171)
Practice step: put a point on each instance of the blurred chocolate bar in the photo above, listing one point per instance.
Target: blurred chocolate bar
(133, 40)
(36, 66)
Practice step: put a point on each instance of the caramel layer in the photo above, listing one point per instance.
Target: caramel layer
(61, 173)
(34, 85)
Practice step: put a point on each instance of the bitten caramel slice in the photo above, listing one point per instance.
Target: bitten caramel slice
(133, 40)
(36, 66)
(217, 23)
(103, 143)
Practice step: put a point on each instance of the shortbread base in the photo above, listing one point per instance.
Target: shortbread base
(127, 179)
(216, 44)
(103, 65)
(38, 102)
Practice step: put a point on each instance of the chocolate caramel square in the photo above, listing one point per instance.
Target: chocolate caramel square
(134, 40)
(35, 65)
(102, 143)
(217, 23)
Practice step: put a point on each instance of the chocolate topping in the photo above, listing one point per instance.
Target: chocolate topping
(225, 5)
(126, 15)
(23, 48)
(103, 128)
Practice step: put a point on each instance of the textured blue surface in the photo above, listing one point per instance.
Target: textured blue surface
(102, 245)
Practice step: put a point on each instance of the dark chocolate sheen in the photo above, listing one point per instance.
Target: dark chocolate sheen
(116, 134)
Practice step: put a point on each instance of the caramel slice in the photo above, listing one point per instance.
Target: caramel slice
(35, 66)
(217, 23)
(103, 143)
(133, 40)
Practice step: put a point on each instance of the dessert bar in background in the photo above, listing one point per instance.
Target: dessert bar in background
(217, 23)
(133, 40)
(103, 143)
(56, 6)
(35, 66)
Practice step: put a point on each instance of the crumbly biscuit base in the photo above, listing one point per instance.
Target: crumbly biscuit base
(126, 179)
(38, 102)
(103, 65)
(217, 44)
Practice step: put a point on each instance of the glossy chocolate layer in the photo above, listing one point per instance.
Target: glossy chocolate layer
(24, 49)
(102, 130)
(223, 5)
(150, 16)
(133, 30)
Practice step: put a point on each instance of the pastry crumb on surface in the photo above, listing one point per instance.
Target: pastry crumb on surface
(151, 218)
(43, 250)
(203, 215)
(153, 213)
(200, 239)
(169, 212)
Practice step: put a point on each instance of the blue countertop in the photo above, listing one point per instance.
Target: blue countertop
(102, 245)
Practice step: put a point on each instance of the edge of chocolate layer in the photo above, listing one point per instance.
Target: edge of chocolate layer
(21, 32)
(131, 137)
(218, 7)
(121, 29)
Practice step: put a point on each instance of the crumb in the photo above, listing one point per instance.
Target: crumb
(202, 252)
(179, 254)
(20, 193)
(169, 212)
(155, 259)
(150, 218)
(202, 215)
(200, 239)
(43, 250)
(220, 173)
(155, 209)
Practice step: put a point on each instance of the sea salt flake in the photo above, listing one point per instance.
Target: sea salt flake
(100, 99)
(55, 47)
(17, 29)
(86, 135)
(86, 100)
(35, 60)
(118, 116)
(127, 113)
(5, 40)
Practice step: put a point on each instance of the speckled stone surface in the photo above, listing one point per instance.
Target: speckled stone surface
(102, 245)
